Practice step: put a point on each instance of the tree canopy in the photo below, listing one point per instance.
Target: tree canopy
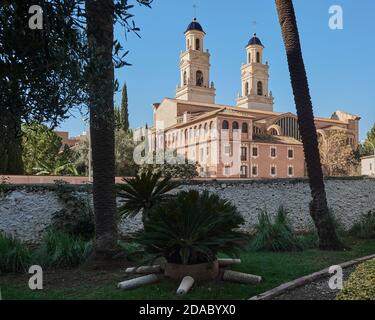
(44, 153)
(41, 70)
(337, 156)
(367, 148)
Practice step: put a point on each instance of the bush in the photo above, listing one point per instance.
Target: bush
(278, 235)
(193, 228)
(361, 283)
(14, 255)
(365, 229)
(61, 250)
(144, 192)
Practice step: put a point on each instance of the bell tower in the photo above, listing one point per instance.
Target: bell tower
(195, 68)
(254, 79)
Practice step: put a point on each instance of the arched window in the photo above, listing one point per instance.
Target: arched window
(260, 88)
(210, 130)
(256, 130)
(199, 77)
(225, 125)
(246, 89)
(245, 128)
(185, 78)
(274, 132)
(289, 127)
(235, 125)
(258, 57)
(249, 58)
(197, 44)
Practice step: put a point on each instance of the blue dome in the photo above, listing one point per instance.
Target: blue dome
(194, 25)
(255, 41)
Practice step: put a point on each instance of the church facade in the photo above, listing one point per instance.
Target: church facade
(247, 141)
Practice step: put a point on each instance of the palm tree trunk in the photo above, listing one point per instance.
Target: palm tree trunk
(101, 89)
(319, 211)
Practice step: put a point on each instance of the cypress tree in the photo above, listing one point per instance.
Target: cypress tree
(124, 109)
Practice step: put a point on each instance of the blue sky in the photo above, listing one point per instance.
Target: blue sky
(340, 63)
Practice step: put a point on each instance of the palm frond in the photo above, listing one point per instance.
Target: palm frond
(193, 228)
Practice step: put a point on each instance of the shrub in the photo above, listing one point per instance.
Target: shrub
(14, 255)
(61, 250)
(361, 283)
(277, 235)
(144, 192)
(193, 228)
(365, 228)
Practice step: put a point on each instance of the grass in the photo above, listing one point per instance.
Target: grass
(275, 268)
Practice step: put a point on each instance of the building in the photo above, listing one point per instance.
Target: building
(248, 140)
(71, 141)
(368, 165)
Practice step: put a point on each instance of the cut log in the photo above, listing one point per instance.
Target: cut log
(138, 282)
(144, 270)
(228, 262)
(185, 286)
(240, 277)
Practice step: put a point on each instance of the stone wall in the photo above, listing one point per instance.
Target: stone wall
(25, 211)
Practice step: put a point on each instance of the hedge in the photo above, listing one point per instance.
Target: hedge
(361, 283)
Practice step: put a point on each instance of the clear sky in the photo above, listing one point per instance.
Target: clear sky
(340, 63)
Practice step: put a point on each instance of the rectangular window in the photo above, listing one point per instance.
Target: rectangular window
(273, 171)
(243, 171)
(290, 171)
(227, 171)
(243, 153)
(290, 153)
(273, 152)
(255, 171)
(255, 151)
(227, 150)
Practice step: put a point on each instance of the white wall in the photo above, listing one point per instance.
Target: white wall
(26, 212)
(368, 166)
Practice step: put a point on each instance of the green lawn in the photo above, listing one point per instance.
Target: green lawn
(275, 268)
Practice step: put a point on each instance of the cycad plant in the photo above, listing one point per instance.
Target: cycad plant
(193, 228)
(143, 192)
(277, 235)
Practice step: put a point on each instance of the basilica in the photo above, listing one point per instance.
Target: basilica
(246, 141)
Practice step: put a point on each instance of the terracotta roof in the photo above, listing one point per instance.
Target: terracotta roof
(329, 120)
(252, 111)
(333, 128)
(207, 115)
(368, 157)
(276, 139)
